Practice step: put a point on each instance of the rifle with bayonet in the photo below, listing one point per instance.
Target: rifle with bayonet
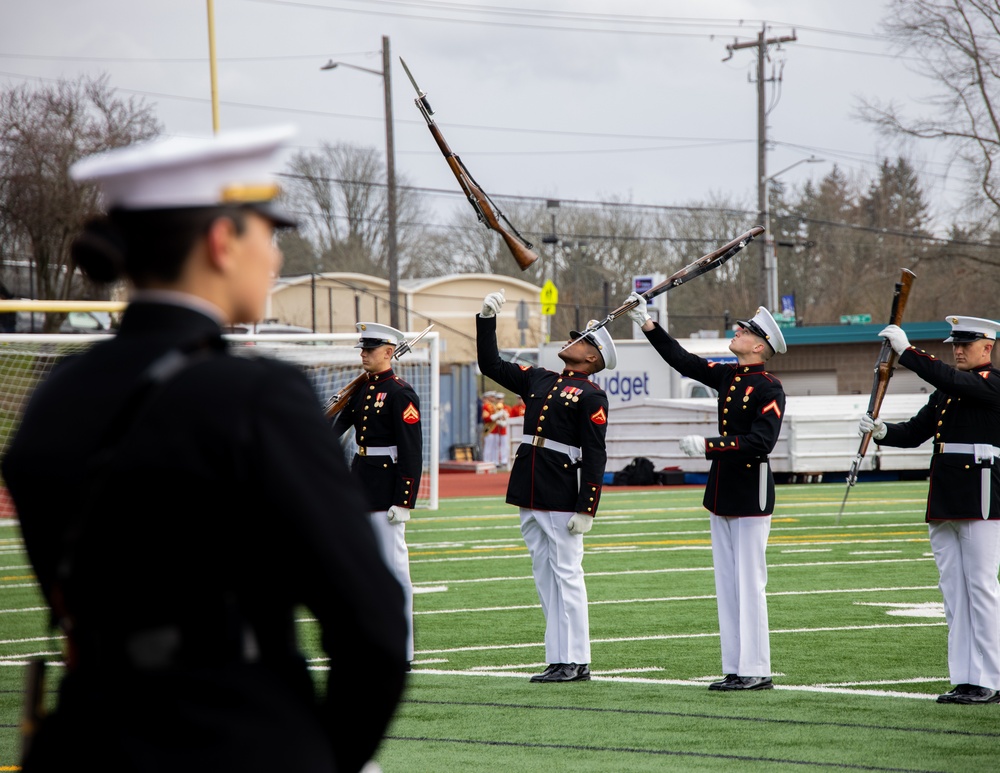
(487, 212)
(336, 403)
(703, 265)
(884, 366)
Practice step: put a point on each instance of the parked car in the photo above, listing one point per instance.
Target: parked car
(266, 327)
(86, 322)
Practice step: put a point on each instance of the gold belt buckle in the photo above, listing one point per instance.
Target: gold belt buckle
(362, 451)
(537, 441)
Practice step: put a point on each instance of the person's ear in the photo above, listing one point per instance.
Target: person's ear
(219, 240)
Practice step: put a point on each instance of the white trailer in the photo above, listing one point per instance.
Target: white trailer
(819, 434)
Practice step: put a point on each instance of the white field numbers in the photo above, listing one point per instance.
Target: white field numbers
(330, 362)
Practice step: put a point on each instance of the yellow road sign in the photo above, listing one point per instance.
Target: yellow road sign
(549, 296)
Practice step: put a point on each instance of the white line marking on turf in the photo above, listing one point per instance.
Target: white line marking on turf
(430, 589)
(685, 683)
(708, 597)
(809, 550)
(873, 552)
(673, 636)
(874, 683)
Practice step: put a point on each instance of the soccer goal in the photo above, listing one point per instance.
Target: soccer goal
(330, 362)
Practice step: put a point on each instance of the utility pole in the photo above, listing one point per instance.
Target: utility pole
(769, 273)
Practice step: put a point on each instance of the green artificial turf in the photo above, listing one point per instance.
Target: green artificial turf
(858, 645)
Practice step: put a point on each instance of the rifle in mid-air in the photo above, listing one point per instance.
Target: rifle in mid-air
(701, 266)
(336, 403)
(487, 212)
(884, 366)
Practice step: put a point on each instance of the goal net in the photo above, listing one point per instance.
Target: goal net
(330, 362)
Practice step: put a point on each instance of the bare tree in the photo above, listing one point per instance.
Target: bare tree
(43, 130)
(958, 44)
(339, 194)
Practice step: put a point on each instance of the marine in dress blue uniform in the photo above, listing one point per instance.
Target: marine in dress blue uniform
(962, 417)
(384, 413)
(180, 504)
(740, 488)
(556, 480)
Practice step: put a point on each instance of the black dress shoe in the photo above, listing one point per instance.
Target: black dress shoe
(541, 677)
(949, 697)
(746, 683)
(723, 685)
(977, 694)
(565, 672)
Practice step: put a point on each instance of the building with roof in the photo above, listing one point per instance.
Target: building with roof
(334, 302)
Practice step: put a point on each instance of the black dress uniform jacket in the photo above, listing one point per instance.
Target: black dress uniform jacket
(751, 404)
(385, 411)
(964, 408)
(225, 506)
(565, 407)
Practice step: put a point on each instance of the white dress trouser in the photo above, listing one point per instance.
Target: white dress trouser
(496, 449)
(967, 554)
(557, 565)
(738, 555)
(392, 544)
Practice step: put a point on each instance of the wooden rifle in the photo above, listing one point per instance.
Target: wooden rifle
(884, 366)
(336, 403)
(701, 266)
(487, 212)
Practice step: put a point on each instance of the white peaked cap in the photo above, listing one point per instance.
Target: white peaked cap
(374, 335)
(234, 167)
(600, 339)
(763, 325)
(965, 329)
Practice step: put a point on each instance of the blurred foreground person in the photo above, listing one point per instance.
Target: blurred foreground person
(962, 416)
(739, 492)
(179, 503)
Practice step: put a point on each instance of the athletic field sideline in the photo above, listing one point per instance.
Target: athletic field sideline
(858, 642)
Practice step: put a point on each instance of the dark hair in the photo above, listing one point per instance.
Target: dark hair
(145, 245)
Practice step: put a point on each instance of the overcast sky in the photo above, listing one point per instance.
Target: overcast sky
(572, 99)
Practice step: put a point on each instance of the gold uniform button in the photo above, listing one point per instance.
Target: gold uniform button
(732, 388)
(729, 399)
(725, 410)
(737, 379)
(545, 407)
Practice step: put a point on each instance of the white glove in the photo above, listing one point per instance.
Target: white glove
(897, 338)
(397, 514)
(580, 524)
(875, 426)
(498, 415)
(492, 304)
(693, 445)
(639, 315)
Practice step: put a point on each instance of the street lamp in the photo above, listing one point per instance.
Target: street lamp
(770, 259)
(390, 165)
